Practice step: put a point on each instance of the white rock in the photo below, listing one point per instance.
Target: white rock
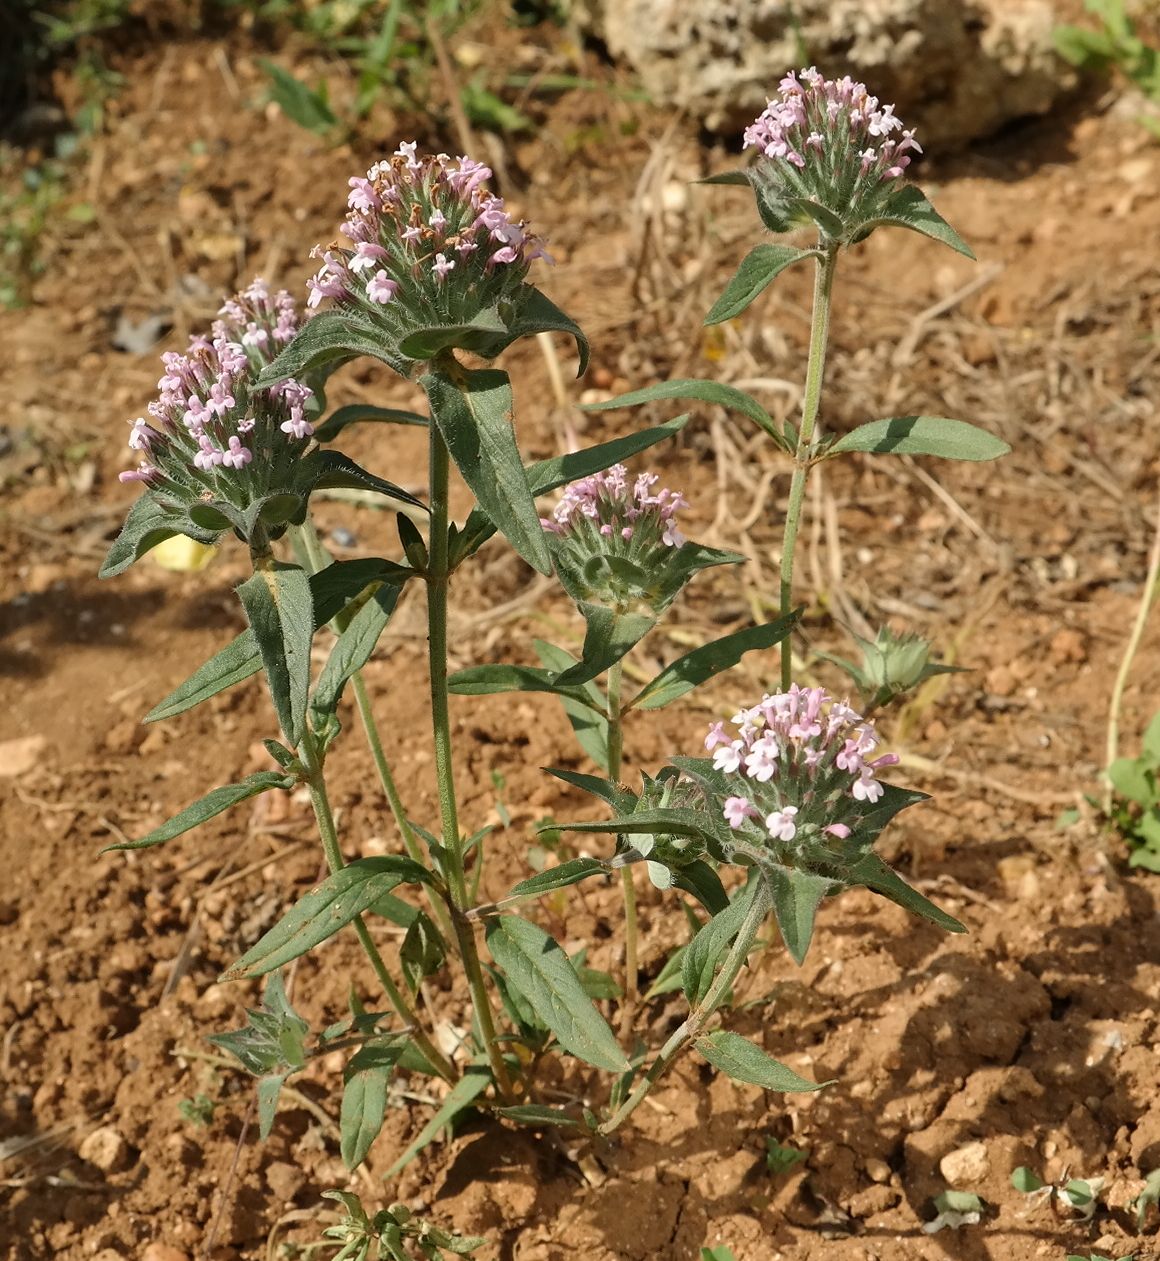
(106, 1149)
(965, 1166)
(956, 69)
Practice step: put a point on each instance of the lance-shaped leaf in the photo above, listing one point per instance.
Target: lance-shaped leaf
(364, 1097)
(338, 900)
(327, 340)
(740, 1059)
(560, 877)
(703, 663)
(699, 879)
(536, 1115)
(796, 898)
(214, 803)
(352, 649)
(547, 475)
(587, 717)
(535, 965)
(269, 1088)
(758, 270)
(280, 609)
(422, 952)
(909, 208)
(687, 560)
(618, 798)
(146, 525)
(609, 634)
(537, 313)
(492, 679)
(872, 872)
(484, 335)
(474, 415)
(822, 217)
(331, 588)
(331, 470)
(659, 822)
(461, 1096)
(361, 413)
(725, 396)
(706, 949)
(921, 435)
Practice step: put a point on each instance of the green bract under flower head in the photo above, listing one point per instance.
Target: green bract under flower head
(829, 142)
(615, 540)
(212, 437)
(665, 852)
(430, 246)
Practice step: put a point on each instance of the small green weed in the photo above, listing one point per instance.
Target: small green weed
(1115, 44)
(1135, 808)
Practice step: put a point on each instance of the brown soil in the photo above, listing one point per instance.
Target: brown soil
(1036, 1035)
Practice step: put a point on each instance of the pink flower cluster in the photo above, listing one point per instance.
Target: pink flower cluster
(421, 226)
(800, 763)
(609, 506)
(208, 418)
(834, 134)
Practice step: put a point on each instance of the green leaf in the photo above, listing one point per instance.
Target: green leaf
(533, 1114)
(537, 313)
(703, 663)
(359, 413)
(490, 680)
(422, 952)
(352, 649)
(699, 879)
(466, 1090)
(705, 950)
(239, 660)
(824, 218)
(797, 895)
(547, 475)
(146, 525)
(608, 635)
(302, 105)
(1023, 1180)
(1151, 740)
(322, 912)
(921, 435)
(738, 179)
(669, 978)
(338, 471)
(758, 269)
(280, 610)
(214, 803)
(909, 208)
(474, 416)
(1131, 778)
(479, 336)
(588, 716)
(704, 391)
(364, 1097)
(740, 1059)
(872, 872)
(269, 1088)
(326, 340)
(571, 872)
(618, 798)
(536, 966)
(678, 822)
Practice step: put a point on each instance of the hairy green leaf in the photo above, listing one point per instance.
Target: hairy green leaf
(758, 269)
(921, 435)
(364, 1097)
(740, 1059)
(704, 391)
(280, 610)
(466, 1090)
(535, 965)
(360, 413)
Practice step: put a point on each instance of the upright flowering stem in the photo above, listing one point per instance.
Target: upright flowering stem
(438, 572)
(815, 373)
(692, 1028)
(615, 753)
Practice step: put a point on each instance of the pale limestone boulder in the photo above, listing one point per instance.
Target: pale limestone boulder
(958, 69)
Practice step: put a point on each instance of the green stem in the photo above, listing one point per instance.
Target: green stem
(1147, 598)
(698, 1018)
(815, 372)
(313, 559)
(628, 887)
(438, 572)
(320, 800)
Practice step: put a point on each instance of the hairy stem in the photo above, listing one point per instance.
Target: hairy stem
(815, 373)
(320, 800)
(628, 887)
(694, 1026)
(438, 571)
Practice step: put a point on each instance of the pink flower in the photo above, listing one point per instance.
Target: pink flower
(780, 824)
(366, 255)
(761, 761)
(737, 810)
(716, 736)
(442, 266)
(382, 288)
(208, 455)
(237, 456)
(297, 426)
(728, 759)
